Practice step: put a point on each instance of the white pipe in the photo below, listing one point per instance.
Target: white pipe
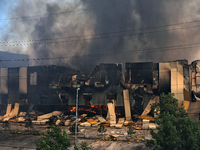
(76, 114)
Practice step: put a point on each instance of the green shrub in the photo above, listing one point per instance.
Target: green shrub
(56, 139)
(72, 128)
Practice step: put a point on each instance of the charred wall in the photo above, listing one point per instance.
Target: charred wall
(101, 85)
(56, 85)
(34, 85)
(49, 84)
(142, 80)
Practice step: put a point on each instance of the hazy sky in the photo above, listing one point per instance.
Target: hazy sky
(113, 30)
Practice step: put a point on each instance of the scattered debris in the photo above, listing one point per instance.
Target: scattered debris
(126, 123)
(101, 119)
(11, 114)
(58, 122)
(147, 117)
(91, 121)
(120, 123)
(152, 126)
(148, 107)
(67, 122)
(85, 124)
(145, 124)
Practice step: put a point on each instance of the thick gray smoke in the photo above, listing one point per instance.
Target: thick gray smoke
(97, 18)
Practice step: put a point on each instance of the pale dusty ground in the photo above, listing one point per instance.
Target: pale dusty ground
(27, 142)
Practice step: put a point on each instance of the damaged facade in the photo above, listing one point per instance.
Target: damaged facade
(134, 90)
(39, 85)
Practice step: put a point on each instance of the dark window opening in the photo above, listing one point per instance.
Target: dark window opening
(87, 97)
(112, 96)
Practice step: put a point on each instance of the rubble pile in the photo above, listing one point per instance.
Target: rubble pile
(59, 119)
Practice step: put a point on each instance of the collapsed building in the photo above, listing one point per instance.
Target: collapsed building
(133, 91)
(38, 85)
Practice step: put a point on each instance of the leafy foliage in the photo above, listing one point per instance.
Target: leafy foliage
(72, 128)
(102, 129)
(84, 146)
(175, 129)
(76, 147)
(131, 130)
(56, 139)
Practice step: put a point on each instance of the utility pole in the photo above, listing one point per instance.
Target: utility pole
(76, 113)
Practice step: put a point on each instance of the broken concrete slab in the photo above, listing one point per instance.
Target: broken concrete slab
(152, 126)
(57, 122)
(74, 121)
(108, 113)
(8, 110)
(49, 115)
(126, 123)
(45, 116)
(40, 122)
(95, 125)
(56, 113)
(119, 126)
(120, 123)
(91, 121)
(85, 124)
(111, 114)
(145, 124)
(121, 120)
(83, 116)
(67, 122)
(22, 114)
(20, 119)
(13, 113)
(101, 119)
(148, 107)
(127, 107)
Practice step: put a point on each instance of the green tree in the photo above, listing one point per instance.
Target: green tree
(175, 129)
(56, 139)
(84, 146)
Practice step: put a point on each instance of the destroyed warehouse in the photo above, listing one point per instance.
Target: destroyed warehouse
(51, 88)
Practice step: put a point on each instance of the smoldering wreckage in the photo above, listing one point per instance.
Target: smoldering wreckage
(106, 96)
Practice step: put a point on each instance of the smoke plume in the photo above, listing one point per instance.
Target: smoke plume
(104, 31)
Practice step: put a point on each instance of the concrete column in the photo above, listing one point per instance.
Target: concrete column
(127, 107)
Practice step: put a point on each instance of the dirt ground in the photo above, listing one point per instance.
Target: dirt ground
(90, 135)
